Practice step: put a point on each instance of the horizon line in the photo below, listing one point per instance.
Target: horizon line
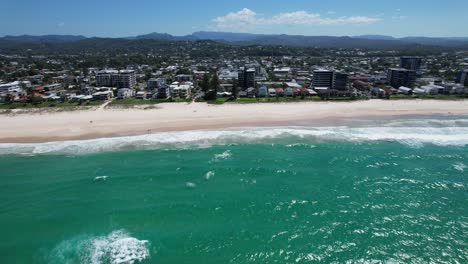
(248, 33)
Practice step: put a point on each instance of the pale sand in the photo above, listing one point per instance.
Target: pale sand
(181, 116)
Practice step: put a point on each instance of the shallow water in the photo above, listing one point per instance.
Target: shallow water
(394, 192)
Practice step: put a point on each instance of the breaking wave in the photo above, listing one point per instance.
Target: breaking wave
(116, 248)
(410, 132)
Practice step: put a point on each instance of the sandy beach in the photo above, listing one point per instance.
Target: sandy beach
(88, 124)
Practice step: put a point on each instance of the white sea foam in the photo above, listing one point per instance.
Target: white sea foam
(459, 167)
(101, 178)
(222, 156)
(209, 175)
(116, 248)
(415, 133)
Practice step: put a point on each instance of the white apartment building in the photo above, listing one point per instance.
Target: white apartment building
(115, 78)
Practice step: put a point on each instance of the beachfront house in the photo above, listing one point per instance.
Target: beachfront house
(419, 91)
(141, 95)
(288, 91)
(251, 92)
(431, 89)
(163, 92)
(279, 92)
(181, 90)
(405, 90)
(272, 92)
(102, 96)
(262, 91)
(378, 92)
(81, 98)
(311, 92)
(321, 90)
(124, 93)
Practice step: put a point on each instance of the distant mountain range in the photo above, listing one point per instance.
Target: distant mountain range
(44, 38)
(364, 41)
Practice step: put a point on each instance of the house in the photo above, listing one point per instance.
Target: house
(405, 90)
(102, 95)
(419, 91)
(251, 92)
(311, 92)
(321, 90)
(124, 93)
(141, 95)
(163, 92)
(299, 91)
(80, 98)
(431, 89)
(288, 91)
(182, 90)
(53, 87)
(262, 91)
(293, 85)
(279, 92)
(183, 77)
(379, 92)
(272, 92)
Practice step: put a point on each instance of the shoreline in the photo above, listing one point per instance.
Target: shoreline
(173, 117)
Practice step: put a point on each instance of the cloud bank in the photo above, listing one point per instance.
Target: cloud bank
(246, 20)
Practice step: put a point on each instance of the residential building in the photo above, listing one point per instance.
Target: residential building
(14, 86)
(411, 63)
(322, 78)
(163, 92)
(114, 78)
(228, 74)
(288, 91)
(127, 79)
(102, 96)
(340, 81)
(462, 77)
(181, 90)
(183, 78)
(124, 93)
(397, 77)
(262, 91)
(251, 92)
(154, 84)
(246, 77)
(405, 90)
(272, 92)
(282, 73)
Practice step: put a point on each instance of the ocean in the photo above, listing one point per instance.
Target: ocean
(392, 191)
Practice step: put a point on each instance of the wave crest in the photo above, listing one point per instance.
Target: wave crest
(413, 133)
(116, 248)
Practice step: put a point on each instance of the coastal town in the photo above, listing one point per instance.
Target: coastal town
(336, 74)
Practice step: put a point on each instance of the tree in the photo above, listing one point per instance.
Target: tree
(205, 84)
(214, 84)
(235, 89)
(29, 91)
(183, 71)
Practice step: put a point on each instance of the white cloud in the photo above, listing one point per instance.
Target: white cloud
(246, 20)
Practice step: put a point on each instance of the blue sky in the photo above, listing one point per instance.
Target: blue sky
(118, 18)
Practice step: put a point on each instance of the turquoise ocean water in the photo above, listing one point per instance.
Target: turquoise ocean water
(391, 192)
